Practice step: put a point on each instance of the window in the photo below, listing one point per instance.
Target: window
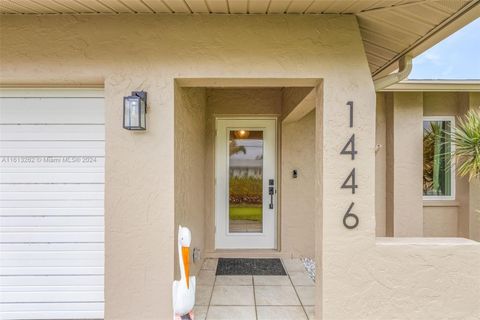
(438, 167)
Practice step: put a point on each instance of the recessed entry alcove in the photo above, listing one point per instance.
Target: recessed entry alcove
(245, 149)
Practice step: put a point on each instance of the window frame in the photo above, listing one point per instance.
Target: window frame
(452, 167)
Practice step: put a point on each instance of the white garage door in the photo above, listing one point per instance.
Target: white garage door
(52, 152)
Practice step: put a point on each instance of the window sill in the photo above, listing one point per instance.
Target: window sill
(441, 203)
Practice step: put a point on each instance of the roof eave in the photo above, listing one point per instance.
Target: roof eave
(454, 23)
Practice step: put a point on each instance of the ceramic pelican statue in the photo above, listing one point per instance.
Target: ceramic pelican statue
(183, 291)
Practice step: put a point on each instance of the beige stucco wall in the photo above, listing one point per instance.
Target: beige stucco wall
(389, 158)
(440, 220)
(295, 104)
(298, 194)
(432, 278)
(474, 210)
(444, 218)
(407, 159)
(380, 167)
(190, 146)
(359, 279)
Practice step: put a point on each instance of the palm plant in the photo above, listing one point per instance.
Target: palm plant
(430, 136)
(466, 138)
(467, 142)
(235, 148)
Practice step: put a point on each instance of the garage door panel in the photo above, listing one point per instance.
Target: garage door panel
(38, 163)
(85, 132)
(42, 271)
(98, 187)
(63, 177)
(51, 237)
(86, 310)
(52, 211)
(58, 144)
(52, 178)
(79, 246)
(40, 221)
(51, 255)
(36, 204)
(53, 263)
(58, 110)
(25, 281)
(35, 170)
(57, 306)
(71, 152)
(9, 196)
(44, 229)
(50, 288)
(53, 296)
(52, 159)
(52, 315)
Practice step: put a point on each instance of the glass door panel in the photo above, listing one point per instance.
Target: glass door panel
(245, 167)
(245, 183)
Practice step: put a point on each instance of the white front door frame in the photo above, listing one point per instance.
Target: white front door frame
(267, 239)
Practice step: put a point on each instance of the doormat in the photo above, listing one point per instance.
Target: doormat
(255, 267)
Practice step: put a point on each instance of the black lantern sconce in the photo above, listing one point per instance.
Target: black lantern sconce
(134, 111)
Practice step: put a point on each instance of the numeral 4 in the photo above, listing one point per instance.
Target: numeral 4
(350, 144)
(352, 185)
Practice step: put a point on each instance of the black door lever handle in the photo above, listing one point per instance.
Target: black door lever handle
(271, 191)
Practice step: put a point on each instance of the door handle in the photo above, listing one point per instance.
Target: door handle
(271, 192)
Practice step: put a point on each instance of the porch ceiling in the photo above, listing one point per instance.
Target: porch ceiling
(390, 28)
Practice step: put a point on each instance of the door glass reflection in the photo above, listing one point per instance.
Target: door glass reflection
(245, 181)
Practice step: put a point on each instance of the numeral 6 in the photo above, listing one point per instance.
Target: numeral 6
(350, 215)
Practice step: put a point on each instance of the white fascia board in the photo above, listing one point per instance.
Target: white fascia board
(434, 86)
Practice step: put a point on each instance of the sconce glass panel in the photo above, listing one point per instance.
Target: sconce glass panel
(134, 111)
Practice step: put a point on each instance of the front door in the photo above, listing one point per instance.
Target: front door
(245, 188)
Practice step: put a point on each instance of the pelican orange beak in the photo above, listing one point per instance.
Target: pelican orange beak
(185, 255)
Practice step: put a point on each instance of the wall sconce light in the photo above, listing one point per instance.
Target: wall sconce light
(134, 111)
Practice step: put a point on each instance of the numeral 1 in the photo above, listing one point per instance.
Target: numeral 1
(350, 103)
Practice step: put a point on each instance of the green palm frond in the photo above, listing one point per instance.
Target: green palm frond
(466, 138)
(234, 148)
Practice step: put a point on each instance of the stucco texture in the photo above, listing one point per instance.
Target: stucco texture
(132, 52)
(407, 169)
(398, 167)
(298, 194)
(190, 141)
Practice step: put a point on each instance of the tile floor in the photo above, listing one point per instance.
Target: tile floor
(289, 297)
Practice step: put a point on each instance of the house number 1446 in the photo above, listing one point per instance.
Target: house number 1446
(350, 220)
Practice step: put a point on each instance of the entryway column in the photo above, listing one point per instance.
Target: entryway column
(474, 197)
(345, 187)
(405, 164)
(139, 201)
